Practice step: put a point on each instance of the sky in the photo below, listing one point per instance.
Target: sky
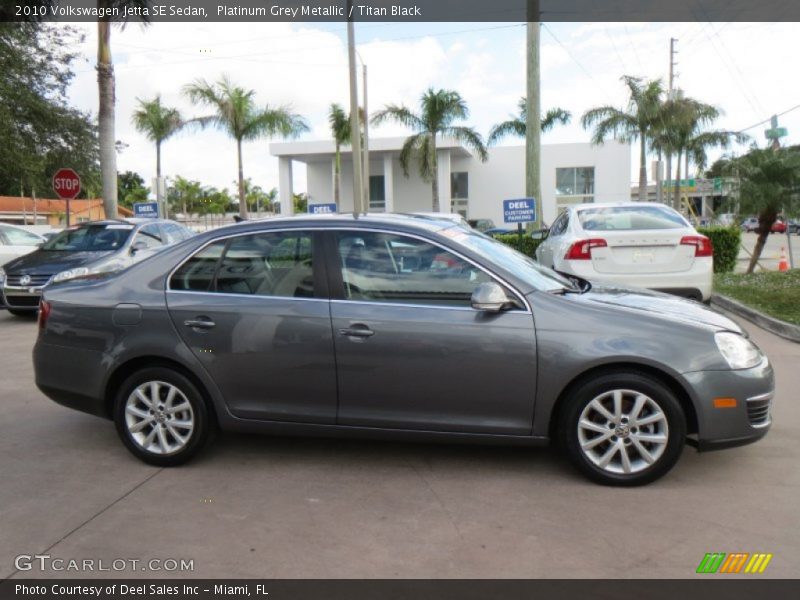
(745, 69)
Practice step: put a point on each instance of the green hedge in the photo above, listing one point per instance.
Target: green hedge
(526, 245)
(726, 242)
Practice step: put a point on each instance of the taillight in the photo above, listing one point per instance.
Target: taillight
(582, 249)
(702, 245)
(44, 313)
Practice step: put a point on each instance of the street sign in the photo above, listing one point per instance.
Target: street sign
(521, 210)
(145, 210)
(322, 209)
(66, 184)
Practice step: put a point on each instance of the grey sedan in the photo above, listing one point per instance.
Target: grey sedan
(396, 327)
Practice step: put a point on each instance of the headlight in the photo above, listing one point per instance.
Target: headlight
(2, 275)
(738, 351)
(70, 274)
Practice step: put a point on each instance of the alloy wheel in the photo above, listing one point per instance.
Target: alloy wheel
(159, 417)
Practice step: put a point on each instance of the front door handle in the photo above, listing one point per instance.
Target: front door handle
(200, 323)
(357, 330)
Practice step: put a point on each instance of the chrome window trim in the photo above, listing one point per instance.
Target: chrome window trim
(495, 276)
(229, 295)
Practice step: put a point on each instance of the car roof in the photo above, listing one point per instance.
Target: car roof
(406, 221)
(616, 205)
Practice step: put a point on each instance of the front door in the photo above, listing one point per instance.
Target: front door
(252, 312)
(412, 353)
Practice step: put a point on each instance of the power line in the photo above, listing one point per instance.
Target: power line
(768, 119)
(575, 60)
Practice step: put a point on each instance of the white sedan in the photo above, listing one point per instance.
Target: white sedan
(631, 244)
(16, 242)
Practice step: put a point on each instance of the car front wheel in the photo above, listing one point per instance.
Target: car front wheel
(623, 429)
(161, 417)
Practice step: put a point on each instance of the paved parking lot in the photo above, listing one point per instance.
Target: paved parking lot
(772, 251)
(279, 507)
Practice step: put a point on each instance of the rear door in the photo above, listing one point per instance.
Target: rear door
(411, 351)
(254, 310)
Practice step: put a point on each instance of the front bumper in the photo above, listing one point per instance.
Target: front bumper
(22, 298)
(744, 423)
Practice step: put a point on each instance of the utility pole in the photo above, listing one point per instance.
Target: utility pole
(671, 96)
(366, 139)
(533, 125)
(355, 128)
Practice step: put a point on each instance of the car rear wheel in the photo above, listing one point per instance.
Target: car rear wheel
(161, 416)
(623, 429)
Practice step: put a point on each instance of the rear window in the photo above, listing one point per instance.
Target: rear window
(91, 238)
(630, 218)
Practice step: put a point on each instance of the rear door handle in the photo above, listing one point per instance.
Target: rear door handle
(358, 330)
(200, 323)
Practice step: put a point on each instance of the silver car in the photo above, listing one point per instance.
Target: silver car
(396, 327)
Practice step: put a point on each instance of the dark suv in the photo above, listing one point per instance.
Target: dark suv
(85, 249)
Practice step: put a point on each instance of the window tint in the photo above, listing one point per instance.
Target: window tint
(268, 264)
(197, 273)
(383, 267)
(19, 237)
(150, 235)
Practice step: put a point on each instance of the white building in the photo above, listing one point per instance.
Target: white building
(571, 174)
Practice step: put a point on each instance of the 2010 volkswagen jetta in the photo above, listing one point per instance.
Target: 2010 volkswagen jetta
(396, 327)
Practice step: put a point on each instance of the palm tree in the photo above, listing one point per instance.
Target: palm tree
(158, 123)
(340, 129)
(683, 134)
(439, 109)
(106, 109)
(638, 121)
(237, 114)
(517, 124)
(767, 180)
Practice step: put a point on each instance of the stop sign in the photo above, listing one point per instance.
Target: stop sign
(67, 184)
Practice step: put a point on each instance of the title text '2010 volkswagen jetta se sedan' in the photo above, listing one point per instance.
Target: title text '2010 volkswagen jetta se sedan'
(396, 327)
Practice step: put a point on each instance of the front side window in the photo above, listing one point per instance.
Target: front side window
(150, 236)
(261, 264)
(384, 267)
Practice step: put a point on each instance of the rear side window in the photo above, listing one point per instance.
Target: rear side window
(268, 264)
(263, 264)
(197, 273)
(19, 237)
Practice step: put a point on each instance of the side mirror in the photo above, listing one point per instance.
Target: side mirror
(540, 234)
(137, 246)
(490, 297)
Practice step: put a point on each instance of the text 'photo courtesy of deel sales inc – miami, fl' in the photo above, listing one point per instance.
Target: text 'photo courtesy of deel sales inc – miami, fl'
(154, 590)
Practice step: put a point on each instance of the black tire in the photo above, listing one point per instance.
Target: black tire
(671, 427)
(25, 314)
(192, 443)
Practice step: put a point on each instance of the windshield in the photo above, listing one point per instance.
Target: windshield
(91, 238)
(630, 218)
(516, 263)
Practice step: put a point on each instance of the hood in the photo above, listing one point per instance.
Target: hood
(659, 304)
(50, 262)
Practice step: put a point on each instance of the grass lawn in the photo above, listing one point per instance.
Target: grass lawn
(776, 294)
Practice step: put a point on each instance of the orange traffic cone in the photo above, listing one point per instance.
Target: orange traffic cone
(783, 264)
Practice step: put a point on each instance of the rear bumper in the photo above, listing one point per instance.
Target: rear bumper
(746, 422)
(71, 377)
(695, 283)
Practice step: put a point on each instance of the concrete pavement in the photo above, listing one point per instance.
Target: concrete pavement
(281, 507)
